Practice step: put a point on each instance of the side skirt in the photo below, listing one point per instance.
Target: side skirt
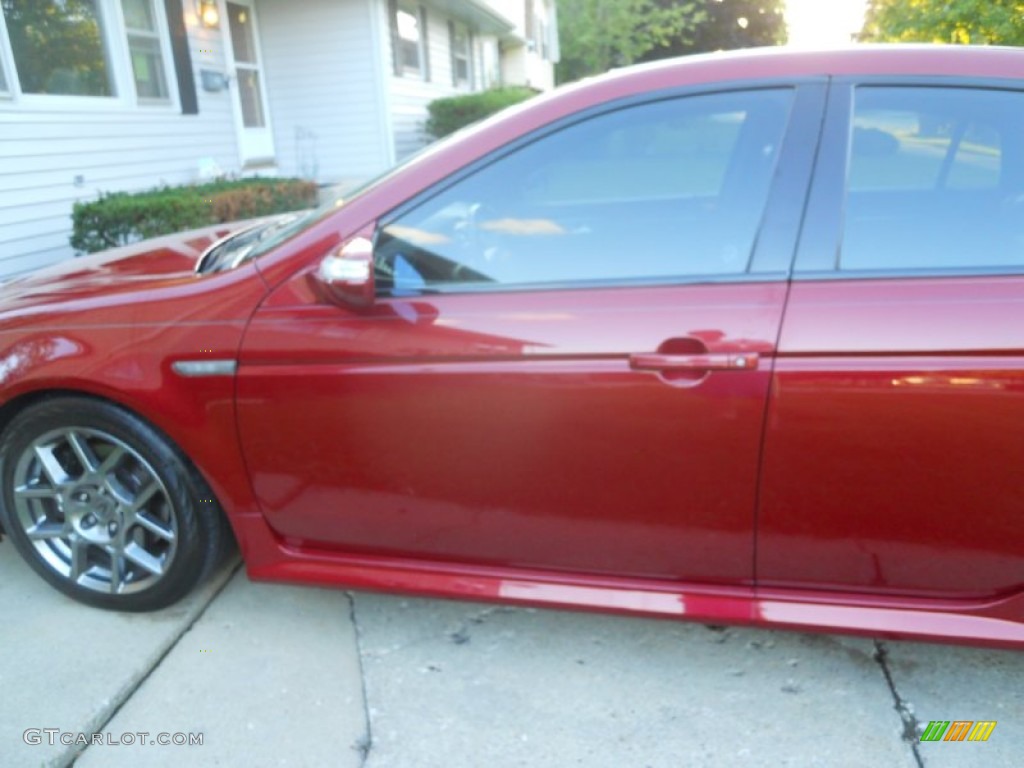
(997, 622)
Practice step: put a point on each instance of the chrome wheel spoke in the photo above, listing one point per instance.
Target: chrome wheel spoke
(144, 496)
(47, 529)
(52, 468)
(154, 526)
(111, 462)
(34, 492)
(83, 451)
(116, 570)
(79, 558)
(143, 559)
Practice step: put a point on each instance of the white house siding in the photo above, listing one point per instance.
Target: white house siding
(108, 147)
(520, 66)
(325, 87)
(410, 95)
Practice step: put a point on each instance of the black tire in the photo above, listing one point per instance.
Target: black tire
(104, 507)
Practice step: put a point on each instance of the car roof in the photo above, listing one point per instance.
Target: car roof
(789, 63)
(863, 59)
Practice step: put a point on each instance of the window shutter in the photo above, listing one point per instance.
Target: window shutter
(396, 41)
(182, 57)
(451, 52)
(425, 43)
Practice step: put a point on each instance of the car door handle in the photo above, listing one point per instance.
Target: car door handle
(657, 361)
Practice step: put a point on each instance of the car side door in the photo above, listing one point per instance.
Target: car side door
(567, 360)
(894, 439)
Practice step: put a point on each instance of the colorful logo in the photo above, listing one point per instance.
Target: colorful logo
(958, 730)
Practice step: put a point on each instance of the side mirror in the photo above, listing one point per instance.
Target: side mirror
(345, 276)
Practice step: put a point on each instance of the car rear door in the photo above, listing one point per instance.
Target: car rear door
(568, 359)
(895, 435)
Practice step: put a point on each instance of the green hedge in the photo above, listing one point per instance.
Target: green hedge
(449, 114)
(119, 218)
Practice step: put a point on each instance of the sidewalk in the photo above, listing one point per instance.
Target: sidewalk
(274, 675)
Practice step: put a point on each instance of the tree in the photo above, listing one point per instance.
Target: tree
(596, 35)
(988, 22)
(730, 24)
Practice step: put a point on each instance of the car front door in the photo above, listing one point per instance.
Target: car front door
(568, 358)
(894, 445)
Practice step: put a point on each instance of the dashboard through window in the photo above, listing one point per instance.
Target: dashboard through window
(669, 189)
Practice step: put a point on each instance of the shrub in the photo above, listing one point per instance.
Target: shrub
(449, 114)
(118, 218)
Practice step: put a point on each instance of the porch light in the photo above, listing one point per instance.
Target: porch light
(208, 13)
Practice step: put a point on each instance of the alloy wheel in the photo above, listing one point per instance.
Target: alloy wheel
(95, 511)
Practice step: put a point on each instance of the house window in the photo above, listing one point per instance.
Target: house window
(144, 49)
(409, 31)
(462, 59)
(538, 28)
(73, 48)
(59, 47)
(540, 32)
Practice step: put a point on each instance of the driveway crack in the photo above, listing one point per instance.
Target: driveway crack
(911, 732)
(98, 726)
(365, 743)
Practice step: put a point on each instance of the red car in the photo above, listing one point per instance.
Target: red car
(734, 338)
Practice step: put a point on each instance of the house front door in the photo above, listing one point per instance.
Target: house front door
(255, 139)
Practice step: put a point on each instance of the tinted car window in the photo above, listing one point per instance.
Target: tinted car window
(935, 179)
(669, 189)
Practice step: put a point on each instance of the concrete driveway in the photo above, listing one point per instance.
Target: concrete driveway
(271, 675)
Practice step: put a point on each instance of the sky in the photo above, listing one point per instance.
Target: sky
(823, 23)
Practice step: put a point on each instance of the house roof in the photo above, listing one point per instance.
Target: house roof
(479, 15)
